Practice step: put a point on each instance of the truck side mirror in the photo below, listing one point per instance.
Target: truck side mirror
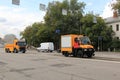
(24, 44)
(16, 43)
(92, 43)
(76, 39)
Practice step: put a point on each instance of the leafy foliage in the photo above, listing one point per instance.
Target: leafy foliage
(65, 23)
(98, 32)
(31, 33)
(57, 24)
(116, 5)
(115, 44)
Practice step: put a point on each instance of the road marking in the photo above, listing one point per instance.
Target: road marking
(99, 60)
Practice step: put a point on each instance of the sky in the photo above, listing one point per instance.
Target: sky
(15, 18)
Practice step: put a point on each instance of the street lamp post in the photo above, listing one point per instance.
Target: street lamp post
(64, 13)
(99, 37)
(58, 43)
(80, 28)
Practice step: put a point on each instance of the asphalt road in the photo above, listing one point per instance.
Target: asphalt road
(53, 66)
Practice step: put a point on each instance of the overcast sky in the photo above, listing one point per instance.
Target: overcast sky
(14, 19)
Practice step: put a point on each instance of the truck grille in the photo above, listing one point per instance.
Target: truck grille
(22, 48)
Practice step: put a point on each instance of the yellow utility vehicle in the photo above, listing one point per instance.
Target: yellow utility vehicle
(17, 46)
(84, 46)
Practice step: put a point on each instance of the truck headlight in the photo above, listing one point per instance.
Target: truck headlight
(90, 49)
(85, 49)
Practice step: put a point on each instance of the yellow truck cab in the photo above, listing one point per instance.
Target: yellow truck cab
(85, 48)
(17, 46)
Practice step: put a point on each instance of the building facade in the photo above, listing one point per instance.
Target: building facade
(114, 23)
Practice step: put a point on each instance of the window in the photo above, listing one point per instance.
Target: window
(117, 27)
(117, 38)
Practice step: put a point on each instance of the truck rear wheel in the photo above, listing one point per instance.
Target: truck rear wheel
(15, 51)
(66, 54)
(6, 50)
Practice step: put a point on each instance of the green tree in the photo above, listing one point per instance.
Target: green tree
(115, 44)
(116, 5)
(99, 32)
(72, 23)
(33, 33)
(65, 23)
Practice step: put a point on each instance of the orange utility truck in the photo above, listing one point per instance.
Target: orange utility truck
(76, 45)
(17, 46)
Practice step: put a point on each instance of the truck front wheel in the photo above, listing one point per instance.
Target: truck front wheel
(89, 55)
(23, 51)
(80, 53)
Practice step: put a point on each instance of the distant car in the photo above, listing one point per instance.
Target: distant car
(46, 47)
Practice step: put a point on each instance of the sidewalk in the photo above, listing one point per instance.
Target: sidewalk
(114, 56)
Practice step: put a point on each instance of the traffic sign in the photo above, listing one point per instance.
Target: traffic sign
(57, 31)
(99, 37)
(94, 20)
(42, 7)
(16, 2)
(64, 12)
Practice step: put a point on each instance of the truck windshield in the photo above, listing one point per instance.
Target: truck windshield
(21, 43)
(85, 40)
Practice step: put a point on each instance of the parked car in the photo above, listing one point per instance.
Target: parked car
(46, 47)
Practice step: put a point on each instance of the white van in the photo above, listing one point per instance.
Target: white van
(46, 47)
